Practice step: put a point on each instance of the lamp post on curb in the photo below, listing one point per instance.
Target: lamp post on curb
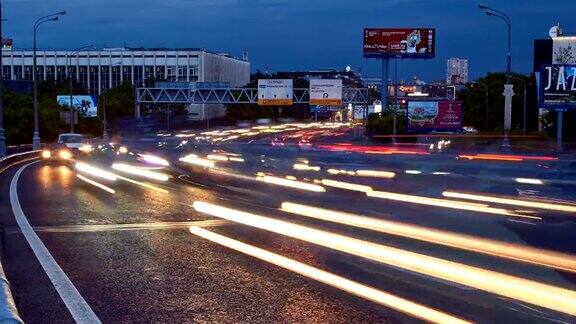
(71, 84)
(508, 88)
(39, 21)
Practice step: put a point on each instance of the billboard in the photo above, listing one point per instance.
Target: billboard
(86, 105)
(275, 92)
(564, 50)
(557, 87)
(327, 92)
(400, 42)
(434, 115)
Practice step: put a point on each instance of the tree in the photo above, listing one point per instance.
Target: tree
(119, 101)
(491, 118)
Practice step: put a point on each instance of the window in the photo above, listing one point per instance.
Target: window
(160, 73)
(193, 70)
(171, 73)
(50, 73)
(83, 76)
(182, 73)
(6, 72)
(127, 73)
(39, 72)
(61, 72)
(93, 85)
(138, 76)
(28, 72)
(115, 76)
(104, 77)
(72, 72)
(18, 72)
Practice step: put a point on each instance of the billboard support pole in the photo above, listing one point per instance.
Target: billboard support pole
(384, 90)
(395, 101)
(559, 147)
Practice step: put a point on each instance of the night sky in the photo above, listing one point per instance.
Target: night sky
(286, 35)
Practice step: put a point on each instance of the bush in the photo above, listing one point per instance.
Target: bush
(383, 125)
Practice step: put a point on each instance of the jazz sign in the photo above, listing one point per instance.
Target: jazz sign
(558, 87)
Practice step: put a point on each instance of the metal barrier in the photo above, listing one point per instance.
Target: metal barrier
(8, 311)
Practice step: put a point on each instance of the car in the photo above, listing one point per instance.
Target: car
(66, 147)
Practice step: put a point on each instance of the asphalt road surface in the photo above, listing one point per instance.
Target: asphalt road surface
(296, 225)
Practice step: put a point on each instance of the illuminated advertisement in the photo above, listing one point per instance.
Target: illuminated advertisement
(400, 42)
(326, 92)
(434, 115)
(86, 105)
(557, 87)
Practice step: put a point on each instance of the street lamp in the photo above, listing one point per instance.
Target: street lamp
(37, 23)
(71, 86)
(2, 138)
(508, 88)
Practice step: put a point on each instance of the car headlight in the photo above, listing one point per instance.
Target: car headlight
(65, 154)
(46, 154)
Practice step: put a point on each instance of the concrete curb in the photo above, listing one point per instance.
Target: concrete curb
(8, 310)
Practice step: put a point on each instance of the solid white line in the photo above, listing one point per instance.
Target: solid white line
(78, 307)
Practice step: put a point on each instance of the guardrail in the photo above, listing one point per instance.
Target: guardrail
(8, 311)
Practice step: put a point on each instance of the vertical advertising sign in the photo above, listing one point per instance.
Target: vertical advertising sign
(275, 92)
(326, 92)
(434, 115)
(557, 87)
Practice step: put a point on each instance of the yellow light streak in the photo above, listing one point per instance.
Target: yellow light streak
(376, 174)
(141, 172)
(305, 167)
(236, 159)
(195, 160)
(217, 157)
(346, 185)
(530, 181)
(525, 290)
(546, 258)
(352, 287)
(96, 184)
(446, 203)
(509, 201)
(153, 159)
(96, 172)
(291, 183)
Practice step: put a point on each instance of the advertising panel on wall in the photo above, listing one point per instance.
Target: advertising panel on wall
(276, 92)
(86, 105)
(327, 92)
(425, 116)
(557, 87)
(400, 42)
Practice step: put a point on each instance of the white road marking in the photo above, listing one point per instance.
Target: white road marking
(78, 307)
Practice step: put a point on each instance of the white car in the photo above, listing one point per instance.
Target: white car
(71, 141)
(67, 146)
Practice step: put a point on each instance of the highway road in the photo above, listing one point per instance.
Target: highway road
(290, 224)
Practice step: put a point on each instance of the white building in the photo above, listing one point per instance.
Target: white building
(456, 71)
(101, 69)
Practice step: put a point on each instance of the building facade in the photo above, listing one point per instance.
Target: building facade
(99, 70)
(456, 71)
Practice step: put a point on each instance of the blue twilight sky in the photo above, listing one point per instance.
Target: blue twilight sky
(296, 34)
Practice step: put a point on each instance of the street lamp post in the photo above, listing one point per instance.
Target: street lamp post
(2, 138)
(524, 102)
(71, 84)
(508, 88)
(37, 23)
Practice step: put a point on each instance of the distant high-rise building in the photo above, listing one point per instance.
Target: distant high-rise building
(456, 71)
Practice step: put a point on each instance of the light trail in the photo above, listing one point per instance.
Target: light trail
(529, 181)
(96, 172)
(291, 183)
(525, 290)
(346, 185)
(305, 167)
(217, 157)
(143, 184)
(541, 257)
(153, 159)
(328, 278)
(509, 201)
(96, 184)
(501, 157)
(195, 160)
(446, 203)
(376, 174)
(126, 168)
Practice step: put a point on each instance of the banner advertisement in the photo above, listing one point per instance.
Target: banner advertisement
(400, 42)
(86, 105)
(557, 87)
(434, 115)
(276, 92)
(327, 92)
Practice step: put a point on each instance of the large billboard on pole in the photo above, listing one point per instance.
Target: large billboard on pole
(326, 92)
(276, 92)
(434, 115)
(557, 87)
(400, 42)
(84, 104)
